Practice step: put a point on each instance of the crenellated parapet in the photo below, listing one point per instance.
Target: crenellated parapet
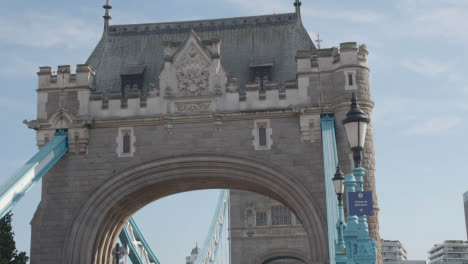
(64, 78)
(332, 75)
(63, 103)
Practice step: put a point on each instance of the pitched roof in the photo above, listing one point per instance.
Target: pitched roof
(244, 42)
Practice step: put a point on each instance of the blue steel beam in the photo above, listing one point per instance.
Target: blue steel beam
(212, 241)
(330, 161)
(139, 250)
(16, 186)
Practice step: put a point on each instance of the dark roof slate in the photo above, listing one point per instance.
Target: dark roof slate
(244, 41)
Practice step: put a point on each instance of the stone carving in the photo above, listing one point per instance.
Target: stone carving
(218, 123)
(33, 124)
(193, 106)
(192, 72)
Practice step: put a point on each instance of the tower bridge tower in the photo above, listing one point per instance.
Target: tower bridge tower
(163, 108)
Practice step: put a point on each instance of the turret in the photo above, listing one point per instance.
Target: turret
(63, 103)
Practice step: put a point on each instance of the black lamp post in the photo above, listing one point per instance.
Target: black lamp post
(355, 125)
(338, 183)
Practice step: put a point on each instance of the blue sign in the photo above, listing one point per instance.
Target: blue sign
(360, 203)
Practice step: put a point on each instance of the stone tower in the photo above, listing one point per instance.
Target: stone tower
(163, 108)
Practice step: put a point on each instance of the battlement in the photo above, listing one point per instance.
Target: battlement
(64, 78)
(348, 55)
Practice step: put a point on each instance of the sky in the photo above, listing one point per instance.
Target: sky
(417, 60)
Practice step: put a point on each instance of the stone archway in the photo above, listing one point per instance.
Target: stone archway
(99, 220)
(281, 256)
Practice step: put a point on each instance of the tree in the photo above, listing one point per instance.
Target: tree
(8, 252)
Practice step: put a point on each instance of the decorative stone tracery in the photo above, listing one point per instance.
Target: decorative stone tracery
(192, 72)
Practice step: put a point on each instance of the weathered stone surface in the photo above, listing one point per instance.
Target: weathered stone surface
(197, 131)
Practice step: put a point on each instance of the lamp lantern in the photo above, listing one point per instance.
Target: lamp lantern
(355, 125)
(338, 183)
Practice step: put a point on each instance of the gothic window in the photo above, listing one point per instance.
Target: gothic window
(261, 69)
(260, 219)
(262, 134)
(350, 80)
(132, 78)
(280, 215)
(125, 142)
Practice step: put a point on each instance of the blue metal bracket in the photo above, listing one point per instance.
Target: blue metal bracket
(132, 237)
(16, 187)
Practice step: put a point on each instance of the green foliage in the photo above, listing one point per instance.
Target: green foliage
(8, 252)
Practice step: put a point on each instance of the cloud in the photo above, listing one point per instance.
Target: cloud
(425, 66)
(434, 125)
(263, 6)
(349, 15)
(437, 21)
(47, 30)
(315, 12)
(16, 66)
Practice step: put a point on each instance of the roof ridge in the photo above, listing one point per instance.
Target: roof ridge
(293, 15)
(206, 24)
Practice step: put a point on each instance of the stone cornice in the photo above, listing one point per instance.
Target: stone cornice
(229, 116)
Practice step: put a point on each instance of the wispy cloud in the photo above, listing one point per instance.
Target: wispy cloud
(47, 30)
(434, 125)
(281, 6)
(349, 15)
(426, 66)
(393, 111)
(437, 21)
(16, 66)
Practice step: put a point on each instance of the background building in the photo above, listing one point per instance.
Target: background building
(265, 226)
(393, 250)
(193, 255)
(465, 201)
(451, 251)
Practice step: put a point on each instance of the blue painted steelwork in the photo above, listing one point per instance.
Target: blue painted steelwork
(210, 247)
(139, 250)
(126, 239)
(330, 161)
(360, 249)
(365, 247)
(16, 186)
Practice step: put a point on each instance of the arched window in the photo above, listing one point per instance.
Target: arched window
(280, 215)
(260, 219)
(125, 142)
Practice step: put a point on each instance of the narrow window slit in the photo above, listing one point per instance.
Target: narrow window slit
(262, 135)
(126, 143)
(350, 79)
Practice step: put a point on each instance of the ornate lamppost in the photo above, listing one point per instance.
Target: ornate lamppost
(359, 247)
(338, 183)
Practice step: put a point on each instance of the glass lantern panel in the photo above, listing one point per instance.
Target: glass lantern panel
(352, 133)
(339, 186)
(362, 132)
